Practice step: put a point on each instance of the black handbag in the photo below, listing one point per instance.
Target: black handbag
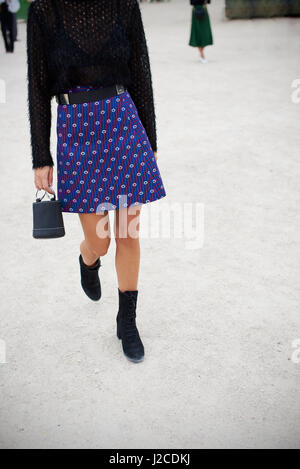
(47, 218)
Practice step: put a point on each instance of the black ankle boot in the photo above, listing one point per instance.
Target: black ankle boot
(126, 327)
(90, 279)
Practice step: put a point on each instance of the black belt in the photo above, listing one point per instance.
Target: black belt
(92, 95)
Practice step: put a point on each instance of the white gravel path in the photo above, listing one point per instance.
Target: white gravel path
(218, 323)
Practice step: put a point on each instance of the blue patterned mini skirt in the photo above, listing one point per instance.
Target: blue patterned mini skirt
(104, 158)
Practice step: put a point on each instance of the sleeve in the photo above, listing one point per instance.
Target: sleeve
(38, 97)
(140, 88)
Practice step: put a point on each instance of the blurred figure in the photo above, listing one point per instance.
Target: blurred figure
(201, 33)
(8, 10)
(15, 27)
(6, 19)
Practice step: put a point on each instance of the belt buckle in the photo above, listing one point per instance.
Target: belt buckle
(66, 98)
(120, 89)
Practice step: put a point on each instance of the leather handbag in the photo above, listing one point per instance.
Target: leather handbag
(47, 218)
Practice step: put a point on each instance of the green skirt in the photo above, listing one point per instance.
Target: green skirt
(201, 34)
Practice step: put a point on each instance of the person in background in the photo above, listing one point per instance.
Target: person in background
(8, 10)
(15, 27)
(6, 19)
(201, 33)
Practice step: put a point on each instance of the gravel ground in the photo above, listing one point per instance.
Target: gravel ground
(219, 324)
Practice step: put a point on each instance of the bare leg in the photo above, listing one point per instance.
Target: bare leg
(128, 248)
(201, 50)
(96, 230)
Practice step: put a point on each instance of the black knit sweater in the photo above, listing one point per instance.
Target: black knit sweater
(84, 42)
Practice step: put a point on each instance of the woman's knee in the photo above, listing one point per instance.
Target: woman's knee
(99, 247)
(97, 234)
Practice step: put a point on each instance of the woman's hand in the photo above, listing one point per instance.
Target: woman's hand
(43, 179)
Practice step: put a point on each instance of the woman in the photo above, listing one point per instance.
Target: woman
(8, 9)
(92, 55)
(201, 33)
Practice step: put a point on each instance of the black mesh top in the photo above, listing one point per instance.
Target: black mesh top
(84, 42)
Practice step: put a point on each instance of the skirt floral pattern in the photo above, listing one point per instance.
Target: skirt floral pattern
(104, 157)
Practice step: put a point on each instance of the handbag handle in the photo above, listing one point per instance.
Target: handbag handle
(38, 199)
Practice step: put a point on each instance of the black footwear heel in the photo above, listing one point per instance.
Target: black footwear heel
(118, 331)
(90, 281)
(126, 327)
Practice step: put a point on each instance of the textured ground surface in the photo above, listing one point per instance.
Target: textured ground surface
(218, 323)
